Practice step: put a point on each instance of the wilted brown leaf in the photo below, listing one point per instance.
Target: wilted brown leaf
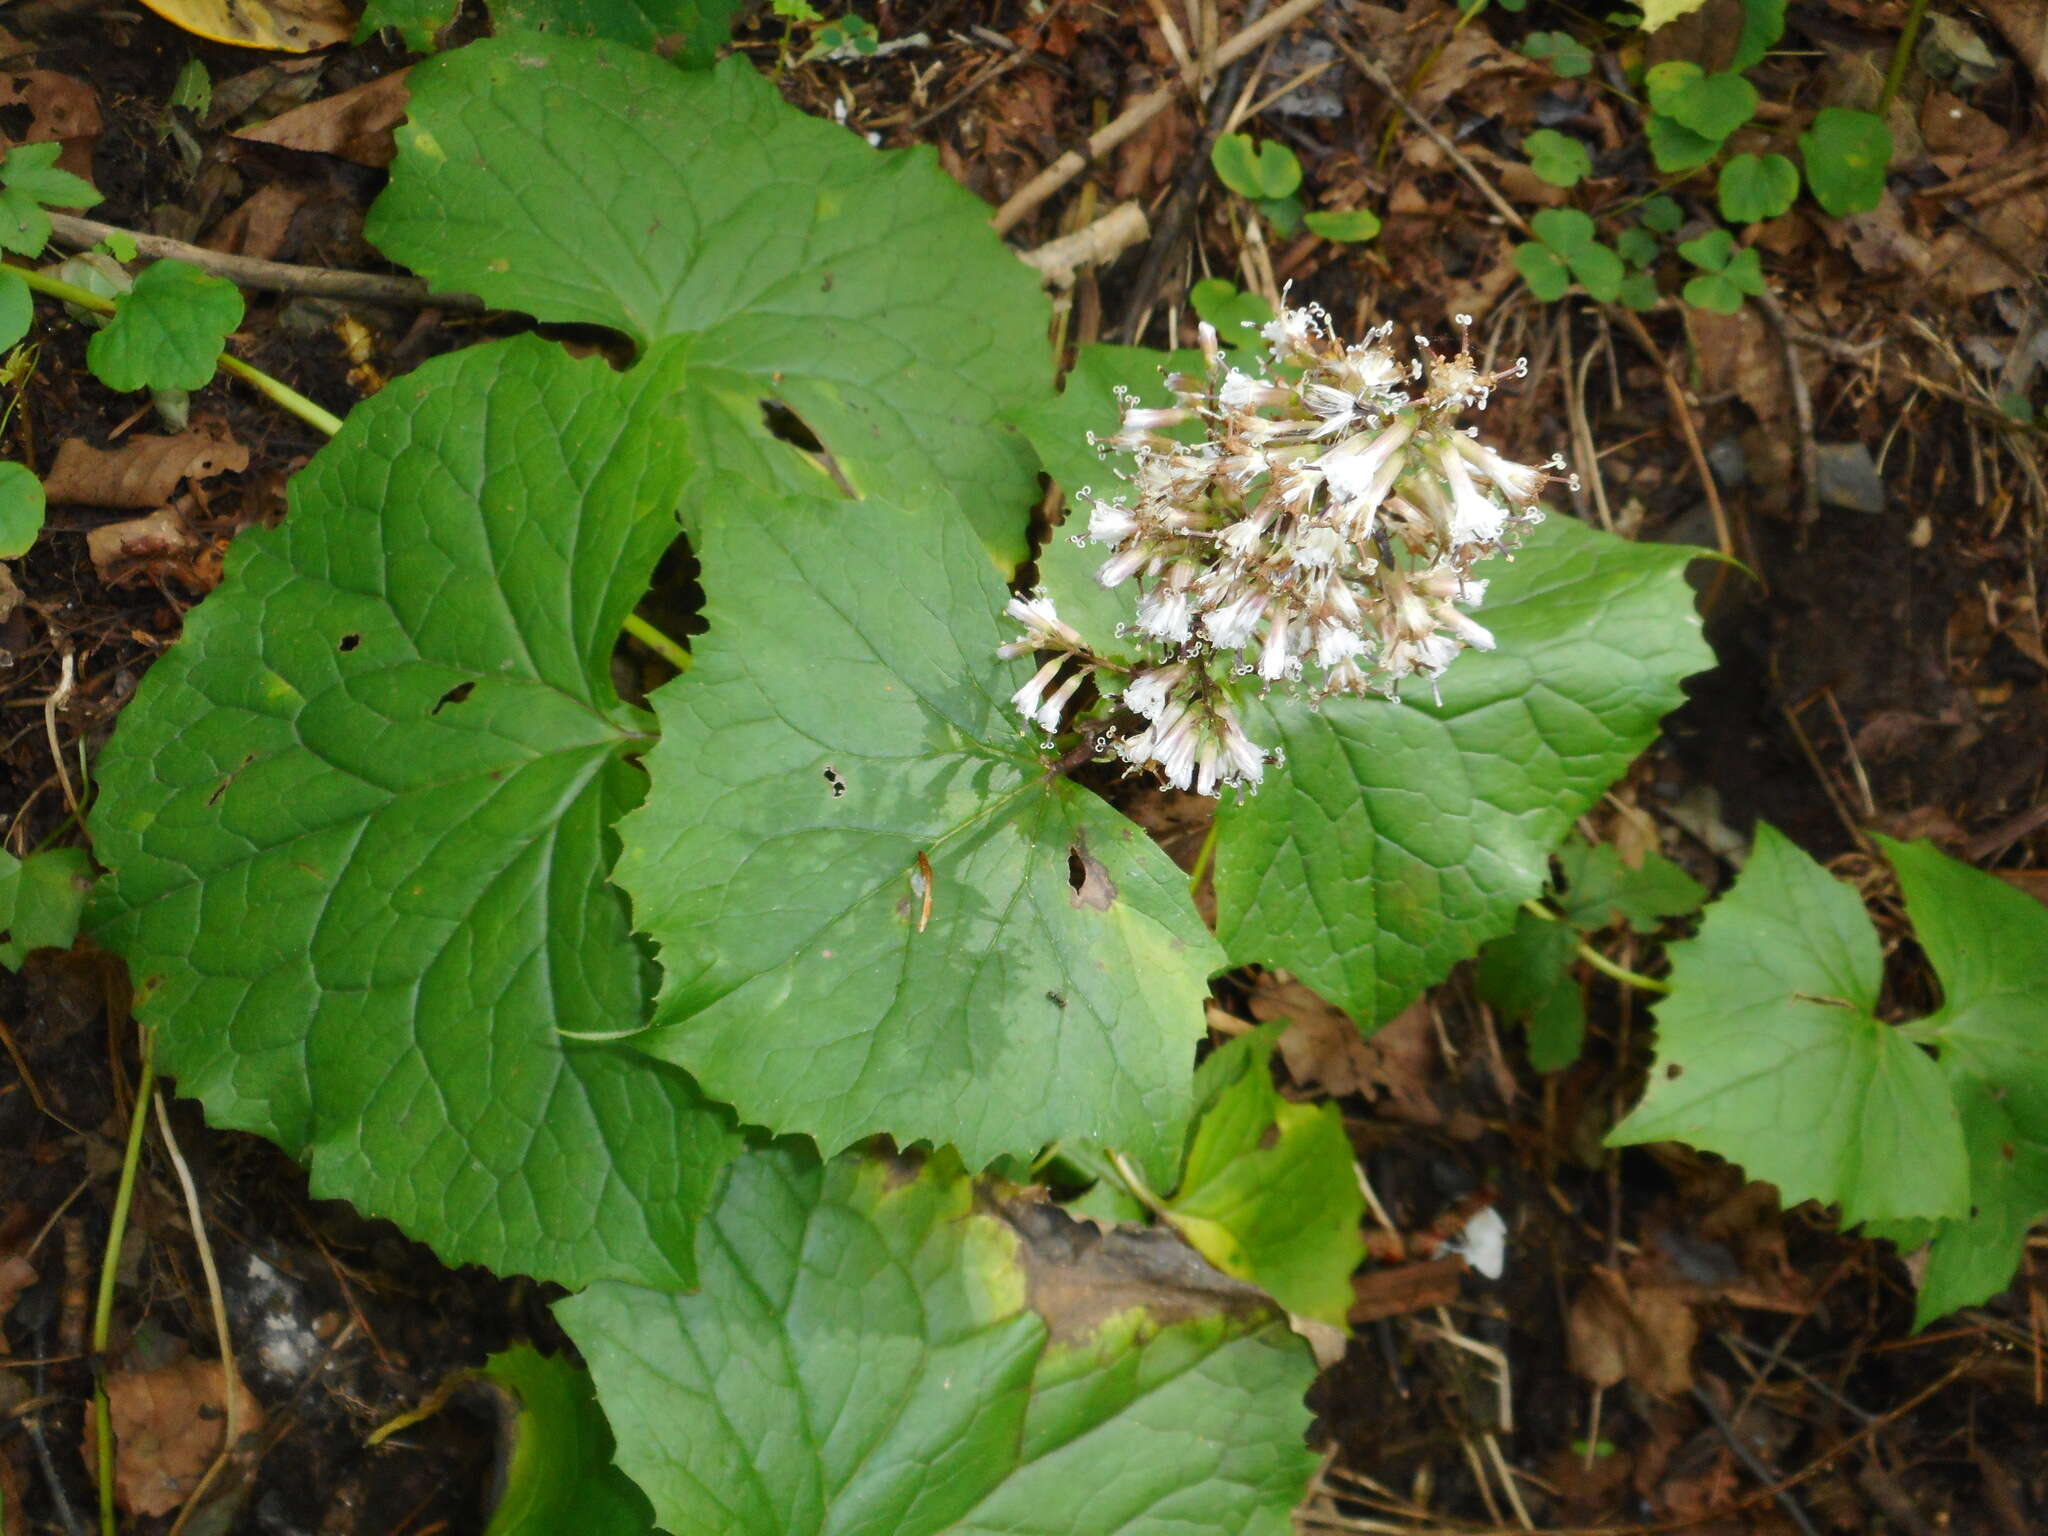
(161, 544)
(260, 225)
(1323, 1048)
(62, 110)
(142, 471)
(354, 124)
(1644, 1334)
(16, 1276)
(168, 1427)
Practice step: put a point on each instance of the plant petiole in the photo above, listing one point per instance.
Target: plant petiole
(1598, 961)
(670, 651)
(110, 1263)
(275, 389)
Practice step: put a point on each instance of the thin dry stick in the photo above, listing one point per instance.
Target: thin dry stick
(67, 681)
(1136, 116)
(232, 1432)
(270, 276)
(1802, 412)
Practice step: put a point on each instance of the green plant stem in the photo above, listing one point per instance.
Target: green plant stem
(1203, 856)
(668, 650)
(1895, 76)
(1598, 961)
(110, 1263)
(282, 393)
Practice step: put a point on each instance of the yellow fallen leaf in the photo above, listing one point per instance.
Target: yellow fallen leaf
(1655, 12)
(283, 26)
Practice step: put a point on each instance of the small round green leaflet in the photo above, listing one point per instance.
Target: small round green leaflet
(1756, 187)
(17, 309)
(359, 824)
(1558, 158)
(1711, 106)
(167, 331)
(1256, 171)
(585, 181)
(847, 728)
(1348, 226)
(886, 1348)
(21, 509)
(1847, 154)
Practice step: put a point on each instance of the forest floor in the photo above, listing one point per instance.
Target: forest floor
(1666, 1350)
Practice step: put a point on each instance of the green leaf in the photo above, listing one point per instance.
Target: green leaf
(167, 331)
(559, 1476)
(588, 182)
(1236, 316)
(418, 22)
(1598, 270)
(1755, 187)
(1567, 56)
(1547, 276)
(1283, 213)
(843, 37)
(1404, 836)
(1713, 292)
(29, 183)
(41, 898)
(1270, 1193)
(1746, 271)
(1847, 154)
(1712, 106)
(1763, 23)
(17, 308)
(1564, 230)
(1600, 890)
(1769, 1053)
(1346, 227)
(702, 26)
(1639, 291)
(193, 90)
(1711, 251)
(21, 509)
(1676, 148)
(1256, 171)
(1663, 214)
(1558, 158)
(974, 1397)
(359, 824)
(1637, 246)
(847, 718)
(1527, 975)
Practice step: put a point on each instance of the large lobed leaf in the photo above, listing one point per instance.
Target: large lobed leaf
(359, 824)
(876, 1353)
(1770, 1053)
(1401, 837)
(583, 181)
(844, 747)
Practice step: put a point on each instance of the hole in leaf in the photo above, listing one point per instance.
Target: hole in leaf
(836, 780)
(1673, 1072)
(16, 120)
(1089, 881)
(348, 643)
(454, 695)
(784, 424)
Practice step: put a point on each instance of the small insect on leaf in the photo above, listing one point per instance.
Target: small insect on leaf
(921, 882)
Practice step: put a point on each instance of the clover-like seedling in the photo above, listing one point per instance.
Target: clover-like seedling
(1558, 158)
(1847, 154)
(1348, 226)
(1234, 315)
(1693, 113)
(1726, 273)
(1565, 54)
(1756, 187)
(1566, 247)
(1268, 175)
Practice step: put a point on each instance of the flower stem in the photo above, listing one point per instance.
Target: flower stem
(110, 1263)
(1598, 961)
(1202, 858)
(668, 650)
(282, 393)
(1895, 76)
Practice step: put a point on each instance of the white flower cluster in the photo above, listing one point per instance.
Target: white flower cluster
(1320, 536)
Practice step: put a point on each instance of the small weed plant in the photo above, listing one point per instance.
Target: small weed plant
(631, 997)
